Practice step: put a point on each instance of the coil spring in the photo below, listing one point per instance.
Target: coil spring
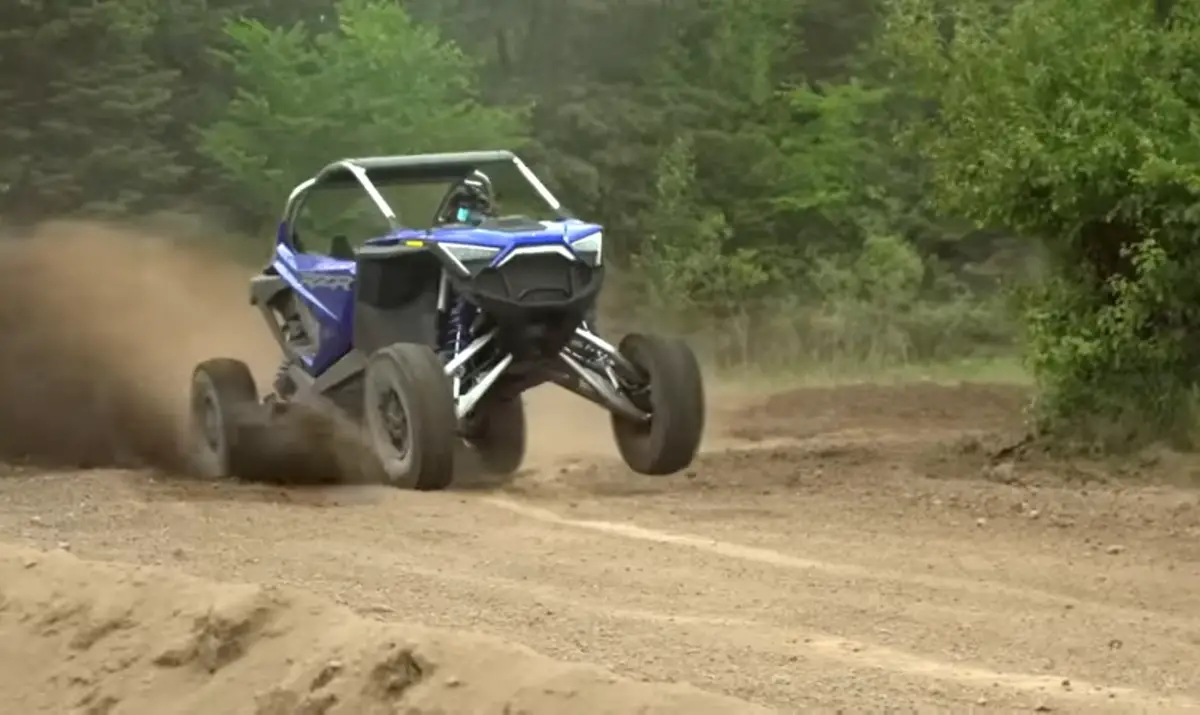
(458, 328)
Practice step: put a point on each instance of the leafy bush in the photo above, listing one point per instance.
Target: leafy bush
(837, 285)
(378, 83)
(1076, 123)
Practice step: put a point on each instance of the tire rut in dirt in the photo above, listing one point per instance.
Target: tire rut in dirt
(301, 446)
(305, 446)
(232, 434)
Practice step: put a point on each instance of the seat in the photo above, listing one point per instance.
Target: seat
(340, 248)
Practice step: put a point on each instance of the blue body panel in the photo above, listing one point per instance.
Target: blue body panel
(332, 303)
(553, 232)
(326, 284)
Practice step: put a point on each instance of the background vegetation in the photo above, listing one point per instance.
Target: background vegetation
(865, 183)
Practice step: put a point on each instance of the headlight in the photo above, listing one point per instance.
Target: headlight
(470, 257)
(590, 249)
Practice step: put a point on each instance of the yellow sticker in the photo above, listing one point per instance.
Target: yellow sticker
(414, 244)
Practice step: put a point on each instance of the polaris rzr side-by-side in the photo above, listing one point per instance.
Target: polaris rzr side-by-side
(428, 337)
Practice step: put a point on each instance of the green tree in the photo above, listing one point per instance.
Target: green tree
(377, 84)
(1076, 123)
(687, 258)
(781, 158)
(833, 183)
(86, 125)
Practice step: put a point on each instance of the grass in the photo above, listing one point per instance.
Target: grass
(1003, 370)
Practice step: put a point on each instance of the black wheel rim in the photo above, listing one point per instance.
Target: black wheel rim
(210, 424)
(640, 393)
(394, 420)
(642, 397)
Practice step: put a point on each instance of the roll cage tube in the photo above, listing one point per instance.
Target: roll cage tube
(539, 187)
(531, 178)
(299, 195)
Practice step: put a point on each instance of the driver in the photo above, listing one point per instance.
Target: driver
(470, 201)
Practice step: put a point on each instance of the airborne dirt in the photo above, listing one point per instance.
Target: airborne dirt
(834, 548)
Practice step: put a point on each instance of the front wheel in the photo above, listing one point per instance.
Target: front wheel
(408, 408)
(673, 394)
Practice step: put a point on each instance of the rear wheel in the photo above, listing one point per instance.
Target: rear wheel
(497, 434)
(223, 399)
(673, 394)
(408, 408)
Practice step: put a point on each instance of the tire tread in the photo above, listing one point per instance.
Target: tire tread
(431, 413)
(678, 405)
(233, 386)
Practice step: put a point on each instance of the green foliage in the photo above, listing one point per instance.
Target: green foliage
(731, 49)
(377, 84)
(1077, 123)
(687, 259)
(833, 184)
(741, 157)
(85, 123)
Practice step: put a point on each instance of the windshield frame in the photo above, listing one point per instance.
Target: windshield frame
(372, 173)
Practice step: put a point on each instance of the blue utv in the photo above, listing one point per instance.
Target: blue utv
(428, 336)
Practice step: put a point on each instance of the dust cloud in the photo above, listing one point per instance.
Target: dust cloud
(100, 328)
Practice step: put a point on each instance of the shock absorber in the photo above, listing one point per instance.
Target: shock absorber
(446, 337)
(456, 331)
(460, 324)
(448, 334)
(458, 334)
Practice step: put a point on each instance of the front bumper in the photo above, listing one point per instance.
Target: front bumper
(536, 300)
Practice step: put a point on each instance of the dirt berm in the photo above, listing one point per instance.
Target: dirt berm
(105, 638)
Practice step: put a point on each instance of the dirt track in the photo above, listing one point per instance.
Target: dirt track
(842, 548)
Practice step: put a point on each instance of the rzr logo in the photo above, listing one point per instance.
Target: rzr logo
(325, 280)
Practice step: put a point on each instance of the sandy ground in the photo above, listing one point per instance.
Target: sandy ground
(850, 548)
